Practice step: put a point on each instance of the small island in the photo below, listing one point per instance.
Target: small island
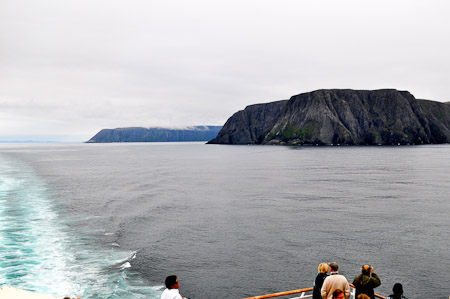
(138, 134)
(340, 117)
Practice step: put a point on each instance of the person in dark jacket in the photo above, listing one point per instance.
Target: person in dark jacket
(318, 282)
(397, 292)
(366, 281)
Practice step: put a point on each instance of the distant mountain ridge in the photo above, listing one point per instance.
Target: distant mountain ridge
(340, 116)
(139, 134)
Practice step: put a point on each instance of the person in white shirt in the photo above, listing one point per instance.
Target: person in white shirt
(172, 285)
(334, 282)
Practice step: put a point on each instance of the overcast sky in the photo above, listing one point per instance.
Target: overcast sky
(69, 68)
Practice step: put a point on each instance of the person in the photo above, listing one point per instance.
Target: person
(172, 286)
(363, 296)
(333, 282)
(397, 291)
(366, 281)
(318, 282)
(338, 294)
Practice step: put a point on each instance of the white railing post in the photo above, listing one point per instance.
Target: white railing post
(353, 293)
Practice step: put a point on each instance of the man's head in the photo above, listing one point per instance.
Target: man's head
(398, 289)
(363, 296)
(366, 269)
(338, 294)
(172, 282)
(334, 267)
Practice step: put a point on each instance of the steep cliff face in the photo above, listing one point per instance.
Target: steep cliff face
(353, 117)
(136, 134)
(250, 125)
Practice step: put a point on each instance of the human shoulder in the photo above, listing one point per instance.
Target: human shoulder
(342, 277)
(375, 276)
(359, 277)
(326, 282)
(171, 294)
(320, 277)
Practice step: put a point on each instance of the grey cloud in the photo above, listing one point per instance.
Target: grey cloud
(77, 66)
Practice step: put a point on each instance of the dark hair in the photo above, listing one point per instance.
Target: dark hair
(337, 293)
(397, 289)
(171, 281)
(334, 266)
(366, 269)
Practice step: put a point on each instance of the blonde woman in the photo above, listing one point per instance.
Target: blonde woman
(318, 282)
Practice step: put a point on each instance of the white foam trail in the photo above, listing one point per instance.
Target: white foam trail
(40, 254)
(129, 258)
(125, 265)
(35, 250)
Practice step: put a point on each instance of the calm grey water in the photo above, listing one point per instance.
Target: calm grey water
(113, 220)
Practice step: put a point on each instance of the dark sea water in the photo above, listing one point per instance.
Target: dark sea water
(113, 220)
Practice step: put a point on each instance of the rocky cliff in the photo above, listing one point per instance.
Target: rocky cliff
(136, 134)
(352, 117)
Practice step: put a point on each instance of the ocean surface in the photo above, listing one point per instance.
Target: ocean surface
(113, 220)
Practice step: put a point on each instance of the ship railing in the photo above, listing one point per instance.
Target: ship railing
(304, 293)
